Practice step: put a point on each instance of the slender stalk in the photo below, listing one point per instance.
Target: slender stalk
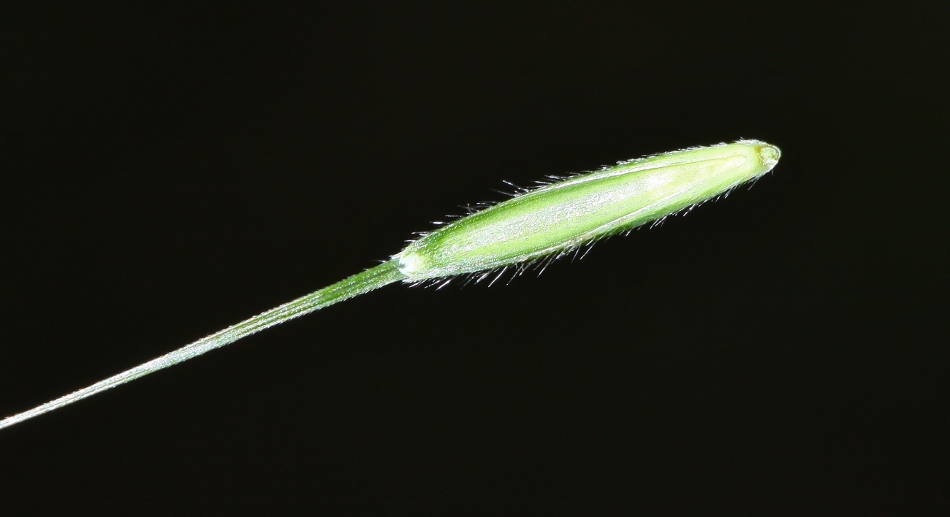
(355, 285)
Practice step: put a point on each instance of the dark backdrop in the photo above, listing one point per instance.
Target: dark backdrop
(169, 172)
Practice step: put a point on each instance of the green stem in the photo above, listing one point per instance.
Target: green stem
(355, 285)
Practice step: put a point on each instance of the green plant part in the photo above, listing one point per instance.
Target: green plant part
(535, 225)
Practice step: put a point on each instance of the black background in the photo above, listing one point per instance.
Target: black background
(169, 172)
